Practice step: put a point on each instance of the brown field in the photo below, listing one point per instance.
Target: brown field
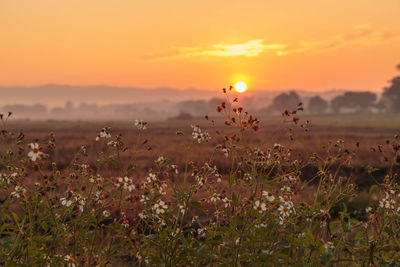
(369, 130)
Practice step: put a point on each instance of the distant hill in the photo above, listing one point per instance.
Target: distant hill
(57, 95)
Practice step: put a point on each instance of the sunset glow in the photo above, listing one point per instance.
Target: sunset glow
(151, 44)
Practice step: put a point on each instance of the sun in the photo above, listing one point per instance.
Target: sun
(240, 87)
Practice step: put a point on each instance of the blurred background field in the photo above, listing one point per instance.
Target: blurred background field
(362, 134)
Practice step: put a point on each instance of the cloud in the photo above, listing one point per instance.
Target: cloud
(250, 48)
(360, 34)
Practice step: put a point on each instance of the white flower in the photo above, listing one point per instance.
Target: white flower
(19, 190)
(81, 204)
(260, 207)
(35, 153)
(112, 144)
(182, 209)
(174, 167)
(387, 203)
(237, 241)
(48, 260)
(201, 232)
(160, 160)
(70, 261)
(282, 220)
(99, 197)
(284, 210)
(258, 152)
(226, 202)
(225, 151)
(104, 133)
(125, 223)
(66, 202)
(162, 188)
(286, 189)
(198, 135)
(368, 209)
(247, 176)
(96, 178)
(151, 178)
(214, 198)
(291, 178)
(125, 183)
(142, 215)
(141, 125)
(269, 196)
(160, 207)
(144, 198)
(286, 201)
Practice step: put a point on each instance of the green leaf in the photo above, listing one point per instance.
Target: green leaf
(7, 227)
(235, 200)
(200, 251)
(7, 242)
(358, 237)
(15, 216)
(232, 178)
(334, 225)
(371, 169)
(45, 226)
(372, 189)
(151, 237)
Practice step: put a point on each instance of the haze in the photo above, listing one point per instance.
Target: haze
(272, 45)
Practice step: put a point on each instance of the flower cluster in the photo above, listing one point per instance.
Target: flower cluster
(125, 183)
(73, 199)
(104, 133)
(140, 125)
(198, 135)
(19, 191)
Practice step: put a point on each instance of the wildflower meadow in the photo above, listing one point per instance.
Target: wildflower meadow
(260, 211)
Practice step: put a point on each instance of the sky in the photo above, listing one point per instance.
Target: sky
(272, 45)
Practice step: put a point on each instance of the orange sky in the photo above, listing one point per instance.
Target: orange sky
(208, 44)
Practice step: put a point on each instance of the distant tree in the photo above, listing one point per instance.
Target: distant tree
(58, 111)
(194, 107)
(25, 110)
(285, 101)
(317, 105)
(38, 109)
(359, 101)
(69, 106)
(382, 105)
(391, 94)
(182, 116)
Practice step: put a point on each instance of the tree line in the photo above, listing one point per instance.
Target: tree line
(361, 102)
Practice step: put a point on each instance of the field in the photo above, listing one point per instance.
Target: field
(152, 197)
(369, 131)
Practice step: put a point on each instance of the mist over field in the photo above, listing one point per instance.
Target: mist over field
(125, 103)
